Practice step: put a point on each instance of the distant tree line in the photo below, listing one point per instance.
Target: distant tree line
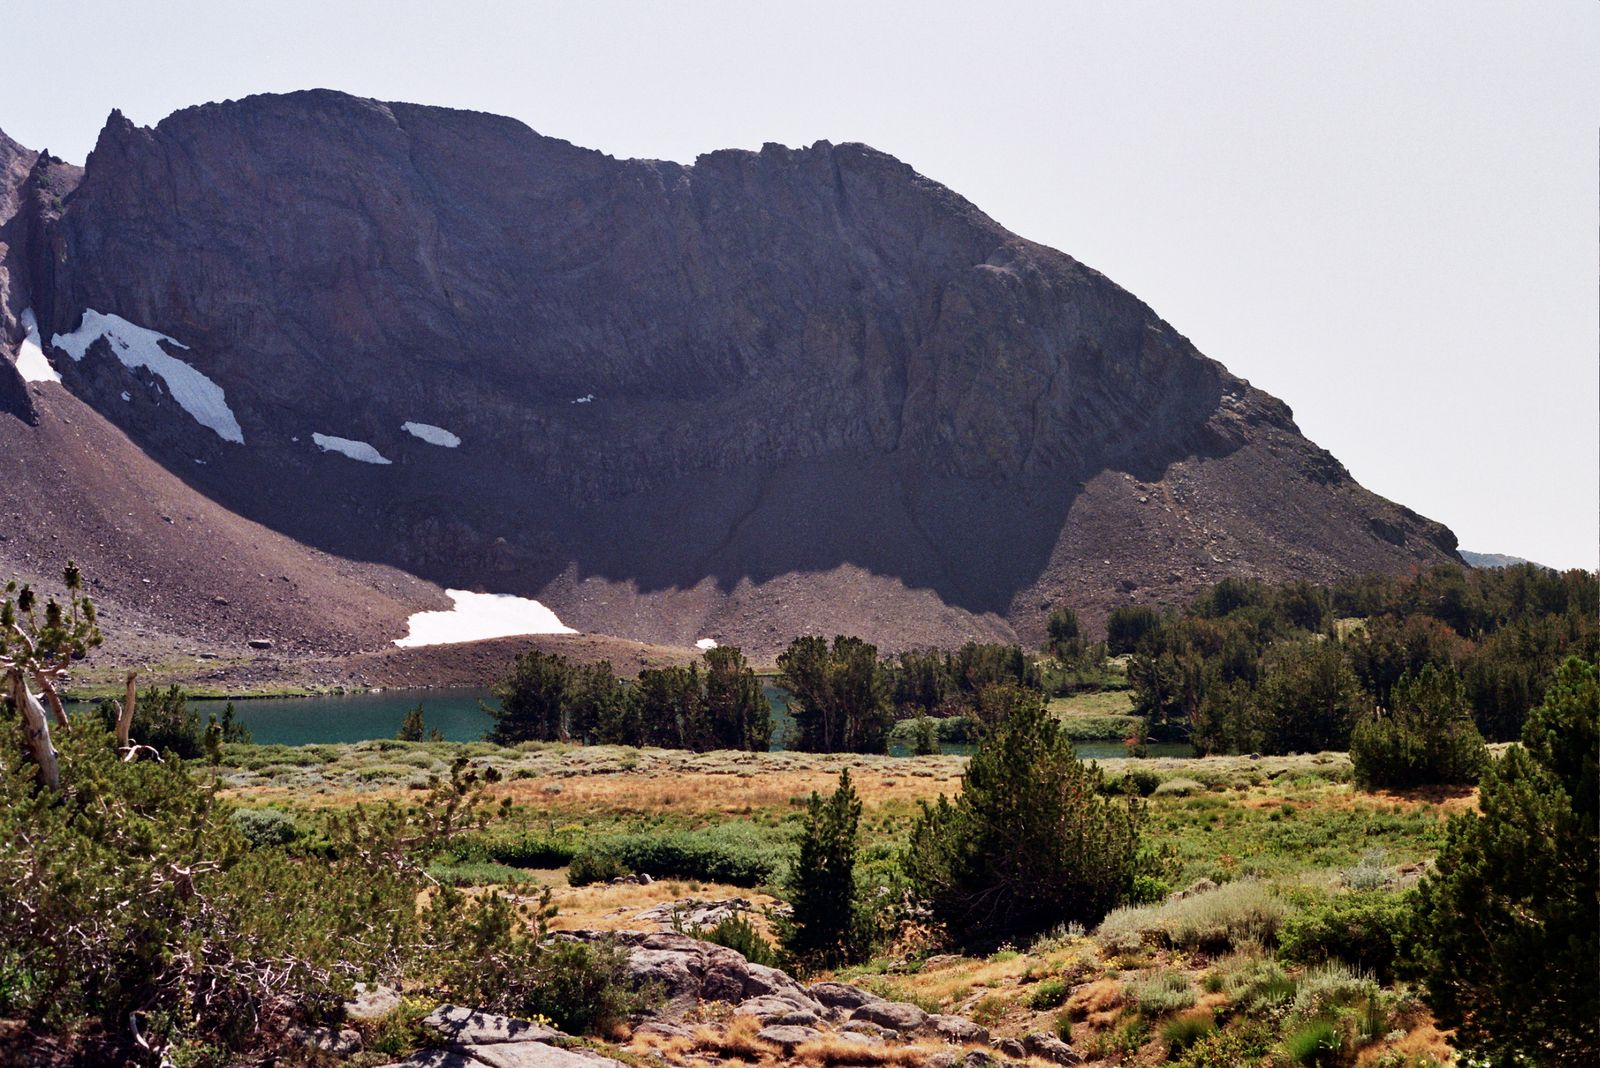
(1256, 667)
(1248, 666)
(715, 704)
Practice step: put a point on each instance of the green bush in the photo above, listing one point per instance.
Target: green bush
(1139, 782)
(595, 866)
(1315, 1043)
(1425, 737)
(163, 720)
(1363, 930)
(476, 873)
(1241, 1042)
(552, 851)
(738, 854)
(908, 734)
(1048, 994)
(265, 826)
(132, 893)
(1181, 1032)
(491, 953)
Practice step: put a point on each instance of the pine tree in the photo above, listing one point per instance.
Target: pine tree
(738, 710)
(413, 728)
(827, 927)
(1028, 843)
(840, 695)
(1505, 927)
(1426, 735)
(672, 705)
(533, 700)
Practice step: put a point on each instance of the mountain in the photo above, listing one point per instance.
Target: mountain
(769, 393)
(1495, 560)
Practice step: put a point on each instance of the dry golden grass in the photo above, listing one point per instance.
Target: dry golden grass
(833, 1049)
(607, 907)
(1097, 1003)
(721, 793)
(1422, 1041)
(737, 1040)
(1446, 800)
(955, 981)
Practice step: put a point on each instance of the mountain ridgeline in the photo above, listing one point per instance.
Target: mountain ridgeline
(768, 393)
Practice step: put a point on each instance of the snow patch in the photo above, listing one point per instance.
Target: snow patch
(31, 361)
(706, 643)
(356, 450)
(477, 616)
(433, 435)
(137, 346)
(587, 398)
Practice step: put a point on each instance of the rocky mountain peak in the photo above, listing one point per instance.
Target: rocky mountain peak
(768, 391)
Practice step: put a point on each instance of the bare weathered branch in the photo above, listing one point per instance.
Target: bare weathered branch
(35, 729)
(125, 717)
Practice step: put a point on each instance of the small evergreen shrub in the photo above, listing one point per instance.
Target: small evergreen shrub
(1029, 842)
(741, 936)
(1140, 782)
(553, 851)
(1241, 1042)
(828, 925)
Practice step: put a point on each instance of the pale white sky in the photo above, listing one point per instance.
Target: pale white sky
(1385, 214)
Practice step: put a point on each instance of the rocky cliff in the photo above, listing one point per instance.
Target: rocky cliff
(768, 393)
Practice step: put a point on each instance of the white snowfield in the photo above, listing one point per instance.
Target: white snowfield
(433, 435)
(477, 616)
(31, 361)
(356, 450)
(706, 643)
(137, 346)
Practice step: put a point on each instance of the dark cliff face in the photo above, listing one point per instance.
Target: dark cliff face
(676, 387)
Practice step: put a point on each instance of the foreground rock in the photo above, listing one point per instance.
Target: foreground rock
(1050, 1048)
(689, 971)
(468, 1038)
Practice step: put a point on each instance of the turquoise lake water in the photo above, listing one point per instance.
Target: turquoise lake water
(461, 716)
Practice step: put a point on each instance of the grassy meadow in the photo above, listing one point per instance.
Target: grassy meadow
(1289, 838)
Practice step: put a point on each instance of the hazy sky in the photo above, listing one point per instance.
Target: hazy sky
(1383, 213)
